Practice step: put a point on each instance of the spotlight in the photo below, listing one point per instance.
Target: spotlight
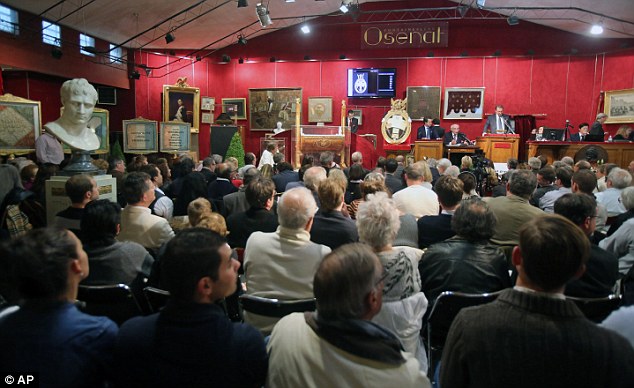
(430, 54)
(462, 10)
(198, 58)
(169, 38)
(240, 61)
(56, 52)
(597, 29)
(307, 57)
(290, 1)
(530, 52)
(342, 56)
(263, 15)
(305, 29)
(344, 8)
(497, 53)
(464, 54)
(480, 3)
(242, 3)
(574, 51)
(148, 72)
(513, 20)
(135, 75)
(272, 59)
(354, 11)
(226, 58)
(242, 40)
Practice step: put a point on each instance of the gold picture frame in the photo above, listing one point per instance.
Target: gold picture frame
(619, 106)
(270, 105)
(190, 99)
(423, 101)
(319, 109)
(240, 106)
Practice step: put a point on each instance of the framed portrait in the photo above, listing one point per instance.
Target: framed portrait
(182, 105)
(463, 103)
(358, 114)
(20, 124)
(174, 137)
(423, 101)
(207, 118)
(140, 136)
(268, 106)
(207, 103)
(100, 122)
(619, 106)
(319, 109)
(236, 107)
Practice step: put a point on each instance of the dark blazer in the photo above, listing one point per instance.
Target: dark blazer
(602, 272)
(596, 132)
(393, 183)
(333, 229)
(284, 178)
(420, 133)
(433, 229)
(440, 131)
(491, 124)
(354, 127)
(462, 138)
(219, 188)
(574, 137)
(209, 175)
(241, 225)
(235, 203)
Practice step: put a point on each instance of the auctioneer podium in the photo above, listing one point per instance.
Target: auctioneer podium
(499, 148)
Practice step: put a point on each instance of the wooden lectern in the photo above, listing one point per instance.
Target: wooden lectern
(499, 148)
(427, 148)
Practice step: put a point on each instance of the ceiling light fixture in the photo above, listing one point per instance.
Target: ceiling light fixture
(513, 20)
(263, 15)
(462, 10)
(344, 8)
(306, 29)
(597, 29)
(240, 61)
(480, 3)
(242, 3)
(242, 40)
(169, 37)
(135, 75)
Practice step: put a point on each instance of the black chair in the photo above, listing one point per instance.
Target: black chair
(448, 304)
(156, 298)
(115, 301)
(597, 309)
(275, 308)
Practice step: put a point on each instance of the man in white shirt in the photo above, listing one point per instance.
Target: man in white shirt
(267, 155)
(617, 180)
(162, 206)
(416, 199)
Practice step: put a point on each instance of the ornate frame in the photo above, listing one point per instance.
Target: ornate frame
(269, 105)
(20, 124)
(190, 97)
(240, 103)
(319, 109)
(144, 131)
(471, 99)
(619, 101)
(423, 101)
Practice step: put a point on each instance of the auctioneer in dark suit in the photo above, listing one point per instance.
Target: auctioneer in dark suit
(461, 138)
(424, 132)
(353, 123)
(492, 123)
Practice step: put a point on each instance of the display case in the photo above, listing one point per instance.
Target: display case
(315, 139)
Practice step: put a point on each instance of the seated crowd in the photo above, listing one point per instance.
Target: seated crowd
(373, 247)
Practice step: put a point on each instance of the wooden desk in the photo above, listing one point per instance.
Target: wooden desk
(619, 153)
(499, 148)
(427, 148)
(455, 153)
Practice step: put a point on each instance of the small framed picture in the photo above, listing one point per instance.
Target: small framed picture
(207, 104)
(140, 136)
(207, 118)
(236, 107)
(319, 109)
(463, 103)
(358, 114)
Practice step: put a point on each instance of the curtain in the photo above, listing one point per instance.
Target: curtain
(523, 127)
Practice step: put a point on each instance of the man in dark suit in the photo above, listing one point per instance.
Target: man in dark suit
(596, 131)
(392, 182)
(330, 226)
(433, 229)
(455, 137)
(222, 186)
(426, 131)
(497, 123)
(284, 176)
(352, 122)
(237, 202)
(440, 131)
(583, 132)
(602, 268)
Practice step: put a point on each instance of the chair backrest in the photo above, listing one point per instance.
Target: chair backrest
(114, 301)
(274, 307)
(156, 298)
(448, 304)
(597, 309)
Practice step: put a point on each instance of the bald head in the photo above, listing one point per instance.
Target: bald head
(296, 208)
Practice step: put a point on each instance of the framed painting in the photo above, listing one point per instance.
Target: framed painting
(319, 109)
(207, 118)
(463, 103)
(100, 122)
(423, 101)
(619, 106)
(182, 104)
(174, 137)
(236, 107)
(20, 124)
(358, 114)
(207, 103)
(140, 136)
(268, 106)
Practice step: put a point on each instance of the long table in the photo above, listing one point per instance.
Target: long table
(619, 153)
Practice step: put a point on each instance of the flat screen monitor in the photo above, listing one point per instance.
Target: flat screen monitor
(372, 83)
(553, 134)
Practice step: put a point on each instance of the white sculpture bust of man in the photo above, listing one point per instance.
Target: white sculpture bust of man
(79, 99)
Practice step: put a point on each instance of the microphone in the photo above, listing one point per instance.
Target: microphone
(506, 124)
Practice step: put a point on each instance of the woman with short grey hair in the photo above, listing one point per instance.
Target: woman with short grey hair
(403, 302)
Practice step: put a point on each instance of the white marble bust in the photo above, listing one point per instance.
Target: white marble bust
(79, 99)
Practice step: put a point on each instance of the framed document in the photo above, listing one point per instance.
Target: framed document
(463, 103)
(140, 136)
(174, 136)
(20, 124)
(207, 103)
